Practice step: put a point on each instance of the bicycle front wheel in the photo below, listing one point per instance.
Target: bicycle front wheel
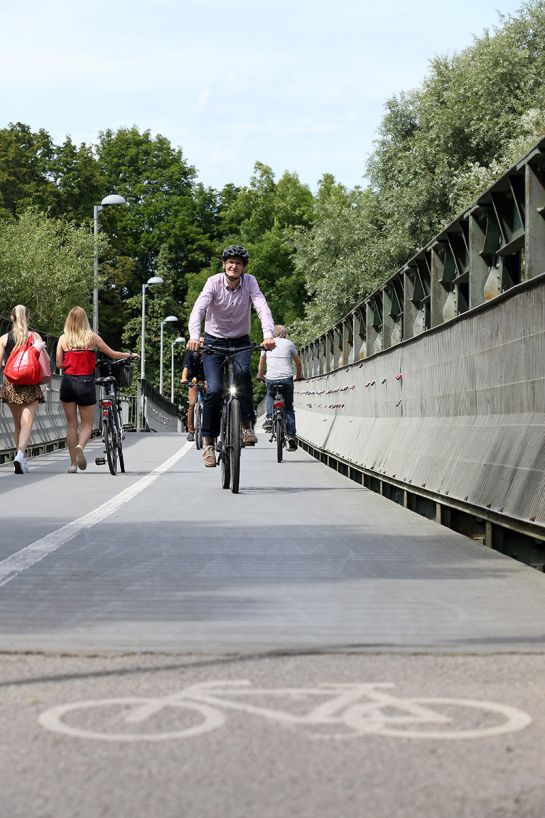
(279, 434)
(198, 425)
(235, 443)
(110, 443)
(224, 458)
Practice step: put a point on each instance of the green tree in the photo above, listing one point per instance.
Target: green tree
(439, 146)
(158, 185)
(334, 257)
(76, 176)
(25, 158)
(46, 264)
(166, 209)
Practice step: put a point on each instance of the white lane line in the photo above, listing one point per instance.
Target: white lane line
(13, 565)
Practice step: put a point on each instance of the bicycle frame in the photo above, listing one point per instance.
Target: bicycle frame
(229, 443)
(110, 417)
(278, 432)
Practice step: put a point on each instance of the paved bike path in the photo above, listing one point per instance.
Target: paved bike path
(302, 558)
(289, 748)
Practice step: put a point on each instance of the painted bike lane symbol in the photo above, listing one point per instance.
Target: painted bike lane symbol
(352, 710)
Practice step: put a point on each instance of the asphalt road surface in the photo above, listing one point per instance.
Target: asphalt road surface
(304, 648)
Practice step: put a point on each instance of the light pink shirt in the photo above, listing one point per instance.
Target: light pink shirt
(228, 311)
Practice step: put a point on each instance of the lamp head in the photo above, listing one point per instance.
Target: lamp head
(155, 280)
(113, 199)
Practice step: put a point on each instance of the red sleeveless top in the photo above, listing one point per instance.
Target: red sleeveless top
(79, 362)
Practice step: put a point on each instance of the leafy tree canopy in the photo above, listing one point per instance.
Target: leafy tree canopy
(475, 114)
(46, 264)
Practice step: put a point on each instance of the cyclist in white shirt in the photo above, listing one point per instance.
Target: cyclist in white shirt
(276, 369)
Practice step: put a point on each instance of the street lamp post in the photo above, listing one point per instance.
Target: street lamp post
(150, 281)
(170, 319)
(178, 340)
(112, 199)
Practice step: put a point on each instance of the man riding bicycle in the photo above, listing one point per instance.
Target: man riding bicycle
(275, 368)
(192, 370)
(226, 299)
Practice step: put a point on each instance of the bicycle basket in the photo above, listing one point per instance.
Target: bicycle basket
(123, 375)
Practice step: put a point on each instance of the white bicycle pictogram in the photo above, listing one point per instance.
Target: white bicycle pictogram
(362, 709)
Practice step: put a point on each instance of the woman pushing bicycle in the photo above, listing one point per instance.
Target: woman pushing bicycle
(76, 357)
(225, 302)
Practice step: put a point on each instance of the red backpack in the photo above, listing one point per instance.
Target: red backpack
(23, 365)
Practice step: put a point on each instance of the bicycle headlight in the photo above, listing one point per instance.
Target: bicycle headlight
(232, 390)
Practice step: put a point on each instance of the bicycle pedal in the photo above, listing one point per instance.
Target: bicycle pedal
(100, 461)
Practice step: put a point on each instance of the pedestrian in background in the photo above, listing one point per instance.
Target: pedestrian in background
(23, 401)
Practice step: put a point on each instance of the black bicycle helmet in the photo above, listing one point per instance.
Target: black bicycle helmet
(235, 250)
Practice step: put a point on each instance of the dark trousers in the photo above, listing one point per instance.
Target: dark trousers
(213, 371)
(287, 391)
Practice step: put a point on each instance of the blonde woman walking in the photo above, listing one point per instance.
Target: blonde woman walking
(23, 401)
(76, 357)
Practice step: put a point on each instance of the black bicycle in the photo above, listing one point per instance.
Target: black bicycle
(229, 443)
(278, 431)
(113, 375)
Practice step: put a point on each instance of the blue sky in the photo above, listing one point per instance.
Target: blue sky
(299, 85)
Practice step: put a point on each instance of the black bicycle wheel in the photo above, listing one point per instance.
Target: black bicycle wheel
(198, 425)
(110, 443)
(235, 443)
(279, 434)
(119, 437)
(225, 460)
(118, 425)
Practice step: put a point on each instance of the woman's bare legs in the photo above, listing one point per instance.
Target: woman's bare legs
(87, 416)
(23, 418)
(71, 413)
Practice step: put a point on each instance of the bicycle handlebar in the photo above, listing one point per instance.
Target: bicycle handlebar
(230, 351)
(119, 361)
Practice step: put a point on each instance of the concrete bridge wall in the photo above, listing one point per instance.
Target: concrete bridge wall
(458, 412)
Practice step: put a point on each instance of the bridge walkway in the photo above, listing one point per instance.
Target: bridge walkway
(163, 559)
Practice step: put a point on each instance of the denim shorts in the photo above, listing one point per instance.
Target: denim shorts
(78, 389)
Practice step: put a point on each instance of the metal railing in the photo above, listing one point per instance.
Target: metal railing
(432, 391)
(494, 245)
(155, 412)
